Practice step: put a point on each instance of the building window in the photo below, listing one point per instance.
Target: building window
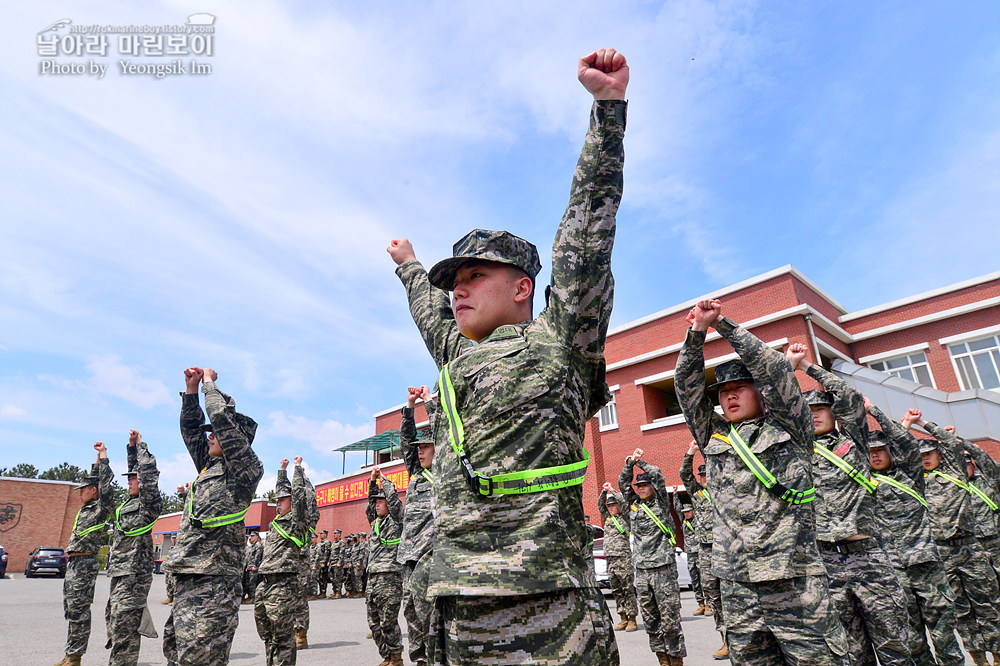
(912, 366)
(607, 418)
(978, 363)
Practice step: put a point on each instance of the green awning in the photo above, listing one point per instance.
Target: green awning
(380, 442)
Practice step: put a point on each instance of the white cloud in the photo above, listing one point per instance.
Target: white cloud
(12, 412)
(323, 436)
(109, 376)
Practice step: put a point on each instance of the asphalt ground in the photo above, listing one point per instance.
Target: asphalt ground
(33, 631)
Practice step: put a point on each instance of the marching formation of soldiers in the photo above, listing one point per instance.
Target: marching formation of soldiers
(812, 537)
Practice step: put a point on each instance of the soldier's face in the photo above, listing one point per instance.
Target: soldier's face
(644, 490)
(823, 419)
(214, 449)
(133, 485)
(381, 507)
(88, 493)
(284, 505)
(971, 468)
(487, 295)
(740, 401)
(879, 459)
(702, 479)
(322, 537)
(613, 509)
(688, 515)
(336, 537)
(426, 455)
(931, 460)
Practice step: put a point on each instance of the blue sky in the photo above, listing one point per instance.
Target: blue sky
(239, 220)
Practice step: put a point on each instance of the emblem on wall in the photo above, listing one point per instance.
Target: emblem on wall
(10, 516)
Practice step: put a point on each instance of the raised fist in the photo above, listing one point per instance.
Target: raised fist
(134, 437)
(298, 461)
(868, 404)
(950, 429)
(637, 454)
(376, 472)
(692, 448)
(284, 463)
(400, 250)
(604, 73)
(210, 375)
(796, 355)
(704, 314)
(99, 447)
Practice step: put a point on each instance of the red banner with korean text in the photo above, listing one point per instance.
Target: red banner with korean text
(351, 490)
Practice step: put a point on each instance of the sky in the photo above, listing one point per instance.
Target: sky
(238, 219)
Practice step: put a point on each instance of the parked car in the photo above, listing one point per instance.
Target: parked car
(3, 562)
(46, 560)
(601, 567)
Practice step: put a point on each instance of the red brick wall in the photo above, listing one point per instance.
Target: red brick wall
(47, 510)
(947, 301)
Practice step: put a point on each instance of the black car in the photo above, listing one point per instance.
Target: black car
(47, 560)
(3, 562)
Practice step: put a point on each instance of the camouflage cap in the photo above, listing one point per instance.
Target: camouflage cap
(701, 469)
(285, 492)
(817, 397)
(876, 440)
(928, 445)
(610, 499)
(483, 245)
(731, 371)
(642, 478)
(686, 507)
(424, 441)
(337, 532)
(89, 480)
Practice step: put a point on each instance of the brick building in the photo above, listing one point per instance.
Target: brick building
(35, 512)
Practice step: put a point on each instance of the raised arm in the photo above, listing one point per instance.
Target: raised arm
(687, 471)
(602, 503)
(231, 430)
(692, 395)
(392, 499)
(905, 450)
(192, 418)
(370, 511)
(952, 451)
(106, 477)
(300, 500)
(408, 431)
(848, 403)
(149, 478)
(625, 482)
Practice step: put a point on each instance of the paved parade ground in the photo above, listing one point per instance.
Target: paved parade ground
(33, 631)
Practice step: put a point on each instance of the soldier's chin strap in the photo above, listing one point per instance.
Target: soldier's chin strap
(514, 483)
(763, 474)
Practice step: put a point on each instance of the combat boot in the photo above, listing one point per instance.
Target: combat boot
(301, 643)
(722, 652)
(708, 610)
(70, 660)
(621, 625)
(396, 659)
(167, 601)
(676, 661)
(334, 595)
(700, 610)
(663, 659)
(631, 626)
(368, 635)
(979, 657)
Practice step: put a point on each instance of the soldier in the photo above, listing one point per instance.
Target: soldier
(314, 570)
(690, 530)
(323, 560)
(618, 554)
(168, 576)
(865, 590)
(276, 602)
(81, 571)
(305, 589)
(385, 585)
(208, 558)
(930, 602)
(704, 511)
(775, 597)
(984, 486)
(418, 526)
(255, 555)
(655, 563)
(351, 583)
(130, 560)
(337, 564)
(516, 406)
(954, 524)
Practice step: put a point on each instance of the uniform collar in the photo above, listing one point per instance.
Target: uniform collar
(504, 332)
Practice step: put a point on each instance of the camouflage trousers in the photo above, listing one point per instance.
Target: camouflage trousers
(416, 607)
(123, 615)
(992, 547)
(203, 620)
(169, 580)
(302, 607)
(710, 587)
(974, 582)
(314, 578)
(322, 579)
(930, 603)
(562, 627)
(336, 579)
(78, 596)
(786, 621)
(357, 578)
(621, 578)
(382, 599)
(250, 580)
(694, 570)
(871, 604)
(660, 601)
(274, 606)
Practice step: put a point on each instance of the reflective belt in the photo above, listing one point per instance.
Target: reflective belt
(763, 474)
(901, 486)
(515, 483)
(88, 530)
(130, 533)
(689, 525)
(958, 482)
(427, 475)
(983, 496)
(614, 519)
(277, 528)
(659, 523)
(385, 542)
(217, 521)
(846, 467)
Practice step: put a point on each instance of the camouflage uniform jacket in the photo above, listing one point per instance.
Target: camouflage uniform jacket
(843, 508)
(94, 512)
(255, 555)
(134, 554)
(525, 394)
(952, 513)
(757, 537)
(701, 500)
(651, 547)
(418, 521)
(325, 551)
(313, 555)
(386, 530)
(312, 517)
(987, 479)
(690, 528)
(905, 524)
(337, 553)
(225, 485)
(281, 553)
(617, 531)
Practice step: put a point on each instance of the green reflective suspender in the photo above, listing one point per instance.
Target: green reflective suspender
(659, 523)
(614, 519)
(89, 529)
(704, 493)
(983, 496)
(277, 528)
(217, 521)
(514, 483)
(427, 475)
(378, 532)
(901, 486)
(763, 474)
(958, 482)
(846, 467)
(689, 525)
(130, 533)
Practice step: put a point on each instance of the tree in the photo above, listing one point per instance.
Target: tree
(269, 496)
(65, 472)
(20, 471)
(174, 502)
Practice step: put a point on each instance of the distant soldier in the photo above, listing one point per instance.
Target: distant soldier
(208, 557)
(95, 492)
(689, 527)
(305, 589)
(337, 564)
(313, 566)
(277, 602)
(775, 597)
(347, 556)
(906, 528)
(384, 593)
(984, 486)
(323, 561)
(255, 555)
(130, 560)
(618, 554)
(659, 596)
(169, 576)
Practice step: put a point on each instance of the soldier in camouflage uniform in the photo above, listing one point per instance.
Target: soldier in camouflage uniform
(336, 564)
(655, 563)
(984, 486)
(906, 527)
(954, 524)
(277, 600)
(618, 555)
(384, 592)
(418, 526)
(302, 612)
(168, 578)
(208, 557)
(251, 568)
(689, 528)
(863, 583)
(517, 403)
(323, 562)
(704, 512)
(84, 542)
(352, 585)
(313, 566)
(130, 560)
(775, 596)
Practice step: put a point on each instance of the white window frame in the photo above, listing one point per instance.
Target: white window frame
(885, 359)
(611, 409)
(968, 354)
